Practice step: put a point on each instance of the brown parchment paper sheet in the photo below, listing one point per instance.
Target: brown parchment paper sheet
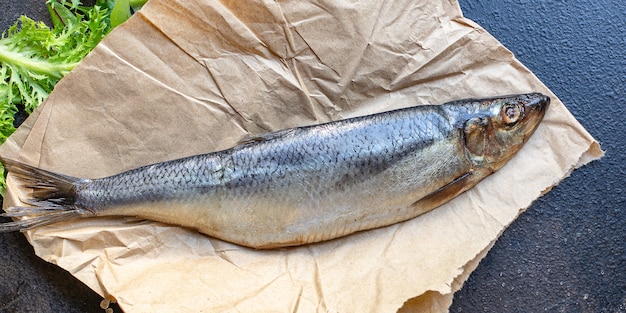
(189, 77)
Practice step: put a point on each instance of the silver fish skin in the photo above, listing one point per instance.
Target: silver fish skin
(305, 184)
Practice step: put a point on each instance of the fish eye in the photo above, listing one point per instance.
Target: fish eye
(511, 113)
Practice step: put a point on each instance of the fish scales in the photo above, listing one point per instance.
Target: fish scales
(290, 180)
(320, 182)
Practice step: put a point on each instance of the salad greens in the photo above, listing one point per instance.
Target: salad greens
(34, 56)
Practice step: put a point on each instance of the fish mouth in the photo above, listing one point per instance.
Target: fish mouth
(537, 102)
(535, 107)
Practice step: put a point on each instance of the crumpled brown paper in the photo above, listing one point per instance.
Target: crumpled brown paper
(189, 77)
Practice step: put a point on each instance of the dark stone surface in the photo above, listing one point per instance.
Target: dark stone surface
(567, 253)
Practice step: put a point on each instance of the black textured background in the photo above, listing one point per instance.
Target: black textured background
(566, 253)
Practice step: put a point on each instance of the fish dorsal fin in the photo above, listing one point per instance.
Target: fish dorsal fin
(264, 137)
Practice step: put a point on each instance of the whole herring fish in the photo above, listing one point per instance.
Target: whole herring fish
(305, 184)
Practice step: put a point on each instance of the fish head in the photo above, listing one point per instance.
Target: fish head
(498, 127)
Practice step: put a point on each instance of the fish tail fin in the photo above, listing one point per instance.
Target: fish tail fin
(52, 198)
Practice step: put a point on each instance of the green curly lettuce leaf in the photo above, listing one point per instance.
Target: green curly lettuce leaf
(34, 57)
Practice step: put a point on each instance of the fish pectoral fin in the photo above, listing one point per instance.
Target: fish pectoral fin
(446, 193)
